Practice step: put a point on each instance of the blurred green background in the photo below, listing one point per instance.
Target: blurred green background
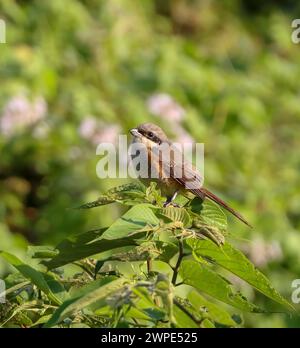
(76, 73)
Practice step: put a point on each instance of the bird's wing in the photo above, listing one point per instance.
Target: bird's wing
(190, 178)
(182, 171)
(172, 165)
(187, 175)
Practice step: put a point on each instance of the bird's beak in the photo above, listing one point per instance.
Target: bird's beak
(135, 132)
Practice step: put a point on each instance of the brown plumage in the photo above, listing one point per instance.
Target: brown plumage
(173, 175)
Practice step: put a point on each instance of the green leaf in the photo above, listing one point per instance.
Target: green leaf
(14, 288)
(14, 279)
(42, 252)
(87, 244)
(153, 195)
(209, 309)
(42, 320)
(135, 219)
(144, 304)
(209, 220)
(92, 295)
(102, 200)
(42, 281)
(23, 319)
(133, 192)
(137, 314)
(236, 262)
(168, 250)
(209, 282)
(207, 324)
(208, 214)
(182, 319)
(175, 214)
(124, 232)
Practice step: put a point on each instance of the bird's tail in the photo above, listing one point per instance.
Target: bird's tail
(202, 193)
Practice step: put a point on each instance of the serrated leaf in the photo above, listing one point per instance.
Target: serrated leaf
(134, 192)
(52, 289)
(208, 214)
(136, 218)
(176, 214)
(153, 195)
(89, 287)
(87, 244)
(209, 282)
(145, 306)
(89, 296)
(139, 253)
(168, 250)
(236, 262)
(134, 224)
(101, 200)
(211, 310)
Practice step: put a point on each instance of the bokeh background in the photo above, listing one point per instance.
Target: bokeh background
(75, 73)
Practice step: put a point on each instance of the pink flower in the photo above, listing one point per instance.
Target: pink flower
(96, 132)
(19, 113)
(165, 106)
(87, 127)
(108, 134)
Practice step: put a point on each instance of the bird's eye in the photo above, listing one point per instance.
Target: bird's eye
(150, 135)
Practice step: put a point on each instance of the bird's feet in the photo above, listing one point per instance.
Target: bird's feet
(171, 204)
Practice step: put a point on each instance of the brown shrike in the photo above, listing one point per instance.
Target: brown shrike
(168, 168)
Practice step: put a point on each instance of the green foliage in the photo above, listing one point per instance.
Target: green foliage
(43, 282)
(236, 262)
(232, 67)
(150, 268)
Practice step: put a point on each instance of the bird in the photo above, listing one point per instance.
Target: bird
(173, 173)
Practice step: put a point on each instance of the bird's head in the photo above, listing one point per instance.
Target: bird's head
(149, 134)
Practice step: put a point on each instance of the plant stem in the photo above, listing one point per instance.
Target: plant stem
(149, 265)
(190, 315)
(180, 256)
